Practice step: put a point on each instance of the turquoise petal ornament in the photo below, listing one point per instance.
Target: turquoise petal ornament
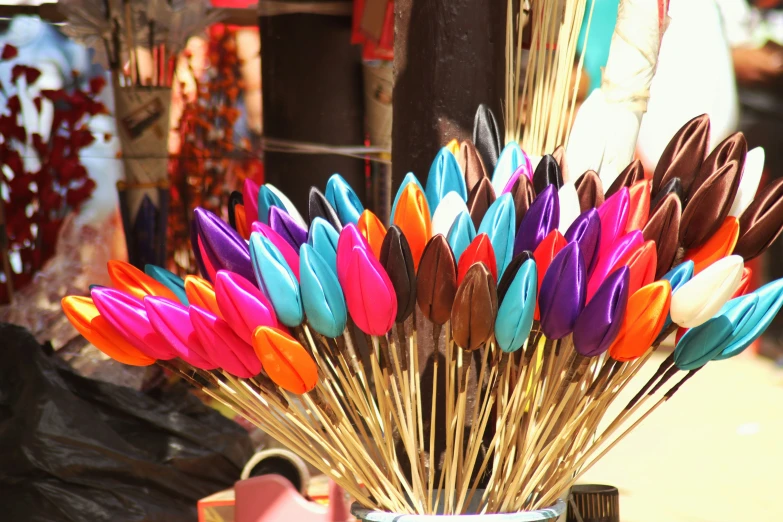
(168, 279)
(266, 200)
(499, 224)
(276, 280)
(409, 178)
(323, 238)
(770, 301)
(344, 200)
(462, 234)
(445, 176)
(509, 161)
(515, 314)
(707, 341)
(322, 296)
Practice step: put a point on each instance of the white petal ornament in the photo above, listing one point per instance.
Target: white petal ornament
(751, 177)
(446, 213)
(702, 297)
(569, 206)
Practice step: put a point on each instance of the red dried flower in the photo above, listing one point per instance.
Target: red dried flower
(9, 52)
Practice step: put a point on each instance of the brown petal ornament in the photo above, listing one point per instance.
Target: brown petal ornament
(683, 156)
(733, 148)
(762, 221)
(663, 228)
(471, 164)
(709, 206)
(480, 199)
(475, 309)
(631, 174)
(590, 190)
(523, 195)
(436, 280)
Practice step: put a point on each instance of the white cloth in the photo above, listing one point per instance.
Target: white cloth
(695, 76)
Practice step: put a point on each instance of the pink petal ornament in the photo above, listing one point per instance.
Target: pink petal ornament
(369, 293)
(614, 216)
(290, 255)
(609, 260)
(350, 238)
(129, 316)
(525, 169)
(172, 322)
(242, 304)
(225, 348)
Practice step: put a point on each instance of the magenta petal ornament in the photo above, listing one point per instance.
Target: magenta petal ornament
(586, 231)
(282, 223)
(607, 261)
(129, 316)
(172, 322)
(562, 294)
(223, 247)
(599, 323)
(350, 237)
(289, 254)
(542, 217)
(242, 305)
(224, 347)
(369, 293)
(250, 191)
(614, 216)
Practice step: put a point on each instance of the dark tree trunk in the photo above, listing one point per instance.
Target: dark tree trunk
(449, 57)
(312, 91)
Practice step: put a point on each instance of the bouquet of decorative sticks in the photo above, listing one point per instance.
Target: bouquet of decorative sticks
(466, 355)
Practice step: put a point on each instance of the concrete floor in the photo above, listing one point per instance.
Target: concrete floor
(713, 453)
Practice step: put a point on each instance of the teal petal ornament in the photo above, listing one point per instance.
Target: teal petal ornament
(344, 200)
(499, 224)
(461, 234)
(276, 280)
(266, 200)
(707, 341)
(445, 176)
(322, 296)
(515, 314)
(509, 161)
(323, 238)
(770, 301)
(409, 178)
(168, 279)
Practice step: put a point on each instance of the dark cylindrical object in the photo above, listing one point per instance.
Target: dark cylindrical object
(449, 57)
(593, 503)
(312, 92)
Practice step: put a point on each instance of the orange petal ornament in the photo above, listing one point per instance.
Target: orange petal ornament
(285, 360)
(201, 292)
(412, 215)
(241, 220)
(373, 231)
(84, 316)
(644, 318)
(642, 263)
(639, 208)
(718, 246)
(744, 285)
(130, 279)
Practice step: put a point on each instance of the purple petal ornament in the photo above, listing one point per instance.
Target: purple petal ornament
(542, 217)
(223, 246)
(562, 295)
(599, 323)
(586, 231)
(282, 223)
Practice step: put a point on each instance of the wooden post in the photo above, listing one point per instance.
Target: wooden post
(312, 91)
(449, 57)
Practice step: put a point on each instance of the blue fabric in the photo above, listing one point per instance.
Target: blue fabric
(599, 39)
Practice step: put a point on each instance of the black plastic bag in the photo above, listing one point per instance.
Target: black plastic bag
(77, 450)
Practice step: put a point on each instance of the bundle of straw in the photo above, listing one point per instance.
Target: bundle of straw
(466, 355)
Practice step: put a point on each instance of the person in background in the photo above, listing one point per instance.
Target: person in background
(754, 30)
